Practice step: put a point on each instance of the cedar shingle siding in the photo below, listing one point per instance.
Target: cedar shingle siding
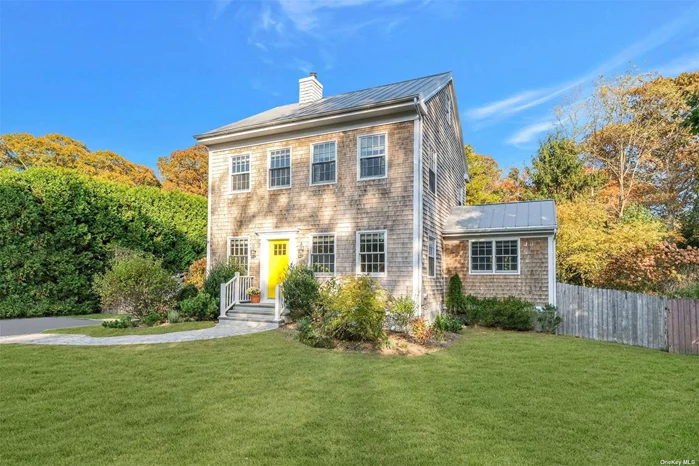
(531, 284)
(345, 207)
(441, 138)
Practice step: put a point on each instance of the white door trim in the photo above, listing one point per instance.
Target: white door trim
(265, 237)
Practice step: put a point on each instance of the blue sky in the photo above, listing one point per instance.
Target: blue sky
(141, 78)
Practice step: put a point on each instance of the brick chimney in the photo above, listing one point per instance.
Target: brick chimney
(310, 89)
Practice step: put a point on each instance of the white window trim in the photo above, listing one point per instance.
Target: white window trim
(493, 271)
(359, 165)
(230, 173)
(269, 163)
(310, 252)
(310, 169)
(228, 248)
(430, 237)
(461, 199)
(358, 268)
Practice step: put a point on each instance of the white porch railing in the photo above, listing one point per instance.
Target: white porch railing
(279, 306)
(234, 292)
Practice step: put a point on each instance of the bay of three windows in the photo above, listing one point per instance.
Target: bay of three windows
(370, 252)
(371, 153)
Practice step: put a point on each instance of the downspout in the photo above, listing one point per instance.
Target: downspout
(421, 110)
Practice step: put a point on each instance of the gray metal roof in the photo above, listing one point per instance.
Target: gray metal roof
(424, 87)
(539, 216)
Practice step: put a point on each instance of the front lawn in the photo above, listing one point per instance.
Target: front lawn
(99, 331)
(494, 397)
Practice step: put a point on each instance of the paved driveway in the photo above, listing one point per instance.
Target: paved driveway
(39, 324)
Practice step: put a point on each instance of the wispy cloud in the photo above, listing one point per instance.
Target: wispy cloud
(680, 65)
(268, 22)
(530, 98)
(528, 133)
(301, 65)
(220, 6)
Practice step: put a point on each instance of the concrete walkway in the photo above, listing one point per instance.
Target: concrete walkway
(220, 330)
(26, 326)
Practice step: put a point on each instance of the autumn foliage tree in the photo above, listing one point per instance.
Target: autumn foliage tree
(23, 151)
(186, 170)
(663, 269)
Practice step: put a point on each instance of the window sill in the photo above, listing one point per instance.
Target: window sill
(278, 188)
(323, 184)
(242, 191)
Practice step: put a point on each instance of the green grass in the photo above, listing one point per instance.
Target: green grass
(99, 331)
(494, 397)
(95, 316)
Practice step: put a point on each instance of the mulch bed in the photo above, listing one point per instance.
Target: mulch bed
(395, 343)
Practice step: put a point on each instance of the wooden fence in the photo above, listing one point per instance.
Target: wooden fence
(683, 326)
(609, 315)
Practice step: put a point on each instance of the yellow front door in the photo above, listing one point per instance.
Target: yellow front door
(278, 263)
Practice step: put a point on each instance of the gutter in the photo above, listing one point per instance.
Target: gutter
(410, 100)
(489, 231)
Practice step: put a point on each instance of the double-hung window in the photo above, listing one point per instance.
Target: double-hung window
(280, 168)
(371, 253)
(431, 256)
(323, 163)
(239, 252)
(322, 255)
(460, 199)
(433, 172)
(494, 256)
(372, 156)
(240, 173)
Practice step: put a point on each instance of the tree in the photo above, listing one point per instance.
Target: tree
(589, 235)
(559, 173)
(23, 150)
(484, 175)
(186, 170)
(621, 138)
(674, 167)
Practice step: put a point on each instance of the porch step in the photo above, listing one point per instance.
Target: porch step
(263, 312)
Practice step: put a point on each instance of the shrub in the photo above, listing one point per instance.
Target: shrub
(355, 309)
(123, 322)
(152, 318)
(548, 319)
(200, 307)
(56, 227)
(221, 272)
(173, 316)
(662, 269)
(420, 330)
(690, 290)
(301, 291)
(447, 323)
(455, 301)
(508, 313)
(196, 274)
(403, 311)
(311, 333)
(187, 291)
(136, 283)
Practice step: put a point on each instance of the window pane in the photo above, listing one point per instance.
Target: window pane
(238, 252)
(481, 256)
(323, 254)
(240, 172)
(324, 152)
(372, 252)
(433, 181)
(506, 256)
(280, 168)
(323, 172)
(375, 166)
(372, 155)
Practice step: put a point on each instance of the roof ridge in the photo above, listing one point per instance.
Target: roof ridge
(382, 85)
(508, 202)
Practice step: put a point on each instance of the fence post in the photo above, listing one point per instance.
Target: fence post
(222, 301)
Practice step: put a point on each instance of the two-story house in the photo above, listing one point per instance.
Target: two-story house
(358, 183)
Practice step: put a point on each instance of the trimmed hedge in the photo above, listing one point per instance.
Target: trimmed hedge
(57, 228)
